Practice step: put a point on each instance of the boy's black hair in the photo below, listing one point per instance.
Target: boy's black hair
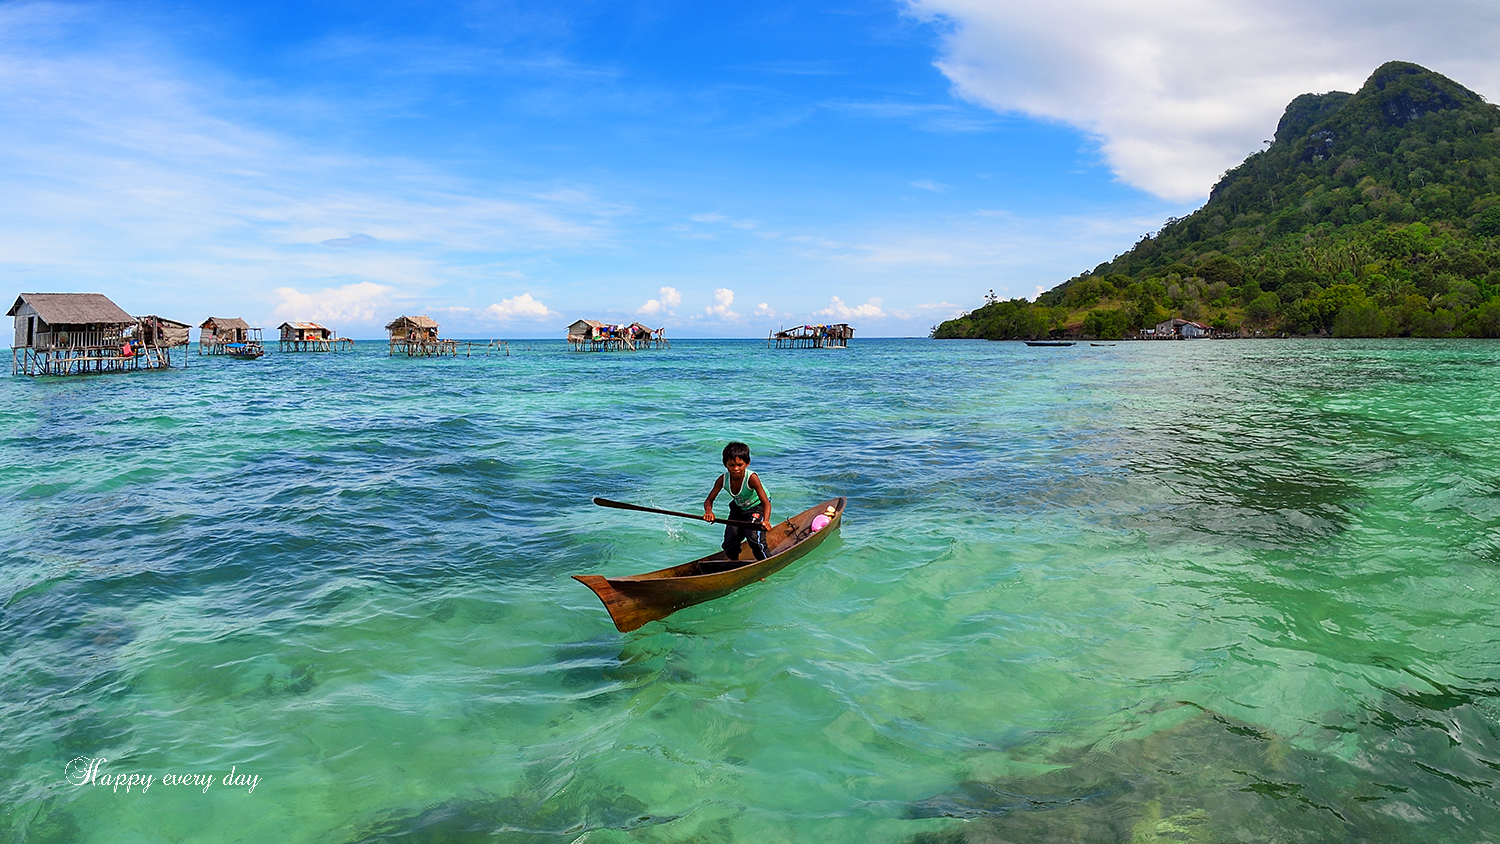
(736, 449)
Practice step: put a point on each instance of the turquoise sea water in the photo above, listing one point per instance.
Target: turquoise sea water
(1214, 591)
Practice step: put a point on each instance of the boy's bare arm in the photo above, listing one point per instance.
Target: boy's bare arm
(708, 503)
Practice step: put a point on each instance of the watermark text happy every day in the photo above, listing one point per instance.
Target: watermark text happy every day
(87, 770)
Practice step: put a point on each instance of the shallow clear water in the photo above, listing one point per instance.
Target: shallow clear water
(1216, 591)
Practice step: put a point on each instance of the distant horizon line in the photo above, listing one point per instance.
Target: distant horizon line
(564, 338)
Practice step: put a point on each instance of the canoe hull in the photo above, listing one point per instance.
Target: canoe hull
(637, 599)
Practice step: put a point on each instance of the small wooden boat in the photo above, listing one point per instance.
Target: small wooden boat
(636, 599)
(1049, 342)
(244, 351)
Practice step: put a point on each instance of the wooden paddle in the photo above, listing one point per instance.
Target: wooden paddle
(620, 505)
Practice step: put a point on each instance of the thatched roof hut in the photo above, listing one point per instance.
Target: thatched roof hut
(413, 328)
(160, 331)
(67, 319)
(584, 328)
(224, 330)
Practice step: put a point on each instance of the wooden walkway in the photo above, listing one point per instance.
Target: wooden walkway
(445, 348)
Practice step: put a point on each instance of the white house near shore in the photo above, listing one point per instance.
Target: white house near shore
(1182, 328)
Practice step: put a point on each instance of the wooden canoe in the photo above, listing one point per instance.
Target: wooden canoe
(636, 599)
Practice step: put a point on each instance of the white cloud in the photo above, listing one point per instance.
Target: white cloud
(723, 298)
(1178, 91)
(666, 300)
(838, 310)
(359, 303)
(519, 307)
(928, 184)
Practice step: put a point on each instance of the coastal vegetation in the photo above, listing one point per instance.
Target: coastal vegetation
(1370, 214)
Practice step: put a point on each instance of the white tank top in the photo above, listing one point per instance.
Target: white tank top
(747, 498)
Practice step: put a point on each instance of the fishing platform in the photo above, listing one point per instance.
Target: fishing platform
(311, 337)
(835, 336)
(86, 333)
(591, 335)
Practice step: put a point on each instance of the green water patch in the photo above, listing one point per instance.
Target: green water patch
(543, 813)
(1209, 778)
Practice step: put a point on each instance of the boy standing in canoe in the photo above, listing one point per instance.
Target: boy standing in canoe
(748, 501)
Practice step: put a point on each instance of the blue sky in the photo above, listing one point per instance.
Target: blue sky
(721, 169)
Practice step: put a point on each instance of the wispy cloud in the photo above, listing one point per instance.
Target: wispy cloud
(929, 117)
(352, 241)
(791, 68)
(715, 217)
(928, 184)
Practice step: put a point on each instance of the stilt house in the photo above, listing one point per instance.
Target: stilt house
(225, 330)
(159, 331)
(311, 337)
(582, 332)
(591, 335)
(304, 331)
(77, 333)
(835, 336)
(68, 321)
(413, 328)
(417, 336)
(217, 332)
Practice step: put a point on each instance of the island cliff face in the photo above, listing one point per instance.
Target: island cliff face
(1375, 213)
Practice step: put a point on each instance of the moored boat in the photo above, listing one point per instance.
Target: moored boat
(1049, 342)
(244, 351)
(636, 599)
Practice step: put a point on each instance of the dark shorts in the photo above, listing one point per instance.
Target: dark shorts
(733, 534)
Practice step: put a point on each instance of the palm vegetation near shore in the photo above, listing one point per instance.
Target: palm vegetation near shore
(1370, 214)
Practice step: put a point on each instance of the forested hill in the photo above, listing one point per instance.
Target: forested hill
(1370, 214)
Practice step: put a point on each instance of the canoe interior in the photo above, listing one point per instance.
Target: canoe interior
(635, 599)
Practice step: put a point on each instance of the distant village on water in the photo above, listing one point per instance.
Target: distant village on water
(87, 333)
